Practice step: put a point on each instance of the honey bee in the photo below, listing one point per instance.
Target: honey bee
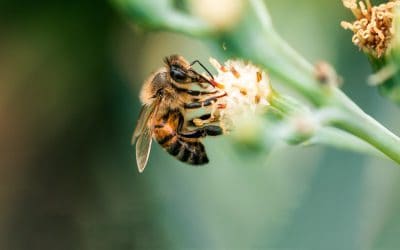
(166, 97)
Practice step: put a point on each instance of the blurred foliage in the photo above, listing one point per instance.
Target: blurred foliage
(389, 85)
(69, 79)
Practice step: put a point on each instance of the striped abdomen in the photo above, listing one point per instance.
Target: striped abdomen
(186, 150)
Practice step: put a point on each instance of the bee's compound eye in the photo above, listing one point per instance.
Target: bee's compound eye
(177, 74)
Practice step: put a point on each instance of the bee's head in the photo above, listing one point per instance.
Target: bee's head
(179, 69)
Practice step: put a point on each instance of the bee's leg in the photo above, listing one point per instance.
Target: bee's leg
(199, 121)
(202, 85)
(203, 103)
(197, 92)
(202, 120)
(212, 130)
(200, 104)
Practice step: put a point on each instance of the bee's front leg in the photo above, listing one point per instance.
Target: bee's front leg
(197, 92)
(202, 103)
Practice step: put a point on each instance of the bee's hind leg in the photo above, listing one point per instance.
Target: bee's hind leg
(212, 130)
(203, 120)
(200, 121)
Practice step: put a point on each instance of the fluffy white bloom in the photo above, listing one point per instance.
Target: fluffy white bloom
(247, 89)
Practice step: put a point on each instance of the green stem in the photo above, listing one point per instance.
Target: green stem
(335, 137)
(161, 15)
(353, 120)
(340, 139)
(272, 52)
(286, 104)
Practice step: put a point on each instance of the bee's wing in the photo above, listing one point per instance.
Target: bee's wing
(143, 134)
(146, 113)
(143, 146)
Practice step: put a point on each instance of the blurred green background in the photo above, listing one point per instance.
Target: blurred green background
(70, 73)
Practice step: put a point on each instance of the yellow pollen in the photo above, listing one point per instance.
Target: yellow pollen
(259, 76)
(235, 72)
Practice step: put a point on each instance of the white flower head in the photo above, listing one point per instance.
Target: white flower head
(247, 89)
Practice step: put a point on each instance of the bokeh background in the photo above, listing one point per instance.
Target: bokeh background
(70, 73)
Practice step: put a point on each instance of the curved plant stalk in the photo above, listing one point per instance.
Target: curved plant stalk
(340, 139)
(356, 122)
(254, 38)
(161, 15)
(322, 128)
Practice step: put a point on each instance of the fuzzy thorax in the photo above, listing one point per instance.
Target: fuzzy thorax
(374, 27)
(247, 89)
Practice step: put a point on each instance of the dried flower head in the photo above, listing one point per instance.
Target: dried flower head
(247, 89)
(374, 27)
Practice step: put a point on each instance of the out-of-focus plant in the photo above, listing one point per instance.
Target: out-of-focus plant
(320, 114)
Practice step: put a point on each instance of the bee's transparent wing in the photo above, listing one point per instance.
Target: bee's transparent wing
(143, 134)
(143, 146)
(146, 113)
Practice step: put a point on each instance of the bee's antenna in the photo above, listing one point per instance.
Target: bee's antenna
(197, 61)
(166, 60)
